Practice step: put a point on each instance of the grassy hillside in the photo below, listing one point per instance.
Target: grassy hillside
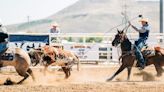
(94, 16)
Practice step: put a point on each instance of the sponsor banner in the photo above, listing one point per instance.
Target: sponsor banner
(90, 51)
(27, 42)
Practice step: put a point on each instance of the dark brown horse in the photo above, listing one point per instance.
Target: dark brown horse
(128, 56)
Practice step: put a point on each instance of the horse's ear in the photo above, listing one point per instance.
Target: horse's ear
(118, 30)
(122, 32)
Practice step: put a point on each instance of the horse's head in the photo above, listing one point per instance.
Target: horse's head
(119, 38)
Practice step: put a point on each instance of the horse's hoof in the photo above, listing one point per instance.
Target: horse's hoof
(108, 80)
(19, 82)
(66, 77)
(159, 75)
(8, 82)
(128, 80)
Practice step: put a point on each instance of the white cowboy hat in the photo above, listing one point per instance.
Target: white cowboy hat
(143, 20)
(55, 24)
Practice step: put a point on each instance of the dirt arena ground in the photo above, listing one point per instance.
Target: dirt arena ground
(91, 78)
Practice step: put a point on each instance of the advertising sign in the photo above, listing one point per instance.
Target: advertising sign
(27, 42)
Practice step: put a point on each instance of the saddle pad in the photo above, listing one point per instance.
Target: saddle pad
(159, 49)
(7, 55)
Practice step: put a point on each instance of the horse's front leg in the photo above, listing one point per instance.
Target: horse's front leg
(122, 67)
(25, 77)
(129, 72)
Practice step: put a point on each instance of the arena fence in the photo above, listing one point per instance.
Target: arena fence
(88, 46)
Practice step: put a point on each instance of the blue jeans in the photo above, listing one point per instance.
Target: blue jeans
(138, 46)
(3, 46)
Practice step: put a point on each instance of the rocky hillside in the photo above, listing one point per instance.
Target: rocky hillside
(94, 16)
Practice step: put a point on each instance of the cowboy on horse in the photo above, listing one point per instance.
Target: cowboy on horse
(4, 53)
(156, 57)
(19, 59)
(141, 42)
(4, 39)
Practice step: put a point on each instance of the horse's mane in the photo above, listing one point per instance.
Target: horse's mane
(126, 44)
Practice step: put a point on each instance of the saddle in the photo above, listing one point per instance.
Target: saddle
(148, 51)
(151, 51)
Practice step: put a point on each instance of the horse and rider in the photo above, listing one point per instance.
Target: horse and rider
(20, 59)
(132, 52)
(4, 38)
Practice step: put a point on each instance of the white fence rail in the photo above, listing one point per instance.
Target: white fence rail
(88, 46)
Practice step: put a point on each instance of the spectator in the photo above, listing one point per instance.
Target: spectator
(55, 28)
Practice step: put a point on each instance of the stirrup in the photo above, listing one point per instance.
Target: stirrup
(141, 67)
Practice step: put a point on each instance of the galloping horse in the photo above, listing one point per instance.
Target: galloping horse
(21, 62)
(49, 55)
(128, 56)
(60, 57)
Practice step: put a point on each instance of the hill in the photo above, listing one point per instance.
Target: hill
(93, 16)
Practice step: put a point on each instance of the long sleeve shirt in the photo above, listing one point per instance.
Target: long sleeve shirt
(143, 31)
(3, 34)
(52, 30)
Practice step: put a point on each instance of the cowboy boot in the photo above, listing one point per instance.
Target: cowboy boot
(142, 65)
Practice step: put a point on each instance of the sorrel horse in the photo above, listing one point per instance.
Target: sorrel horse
(49, 55)
(128, 56)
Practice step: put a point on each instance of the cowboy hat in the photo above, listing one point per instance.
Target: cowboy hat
(143, 20)
(55, 24)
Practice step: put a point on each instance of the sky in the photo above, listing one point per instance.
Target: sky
(16, 11)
